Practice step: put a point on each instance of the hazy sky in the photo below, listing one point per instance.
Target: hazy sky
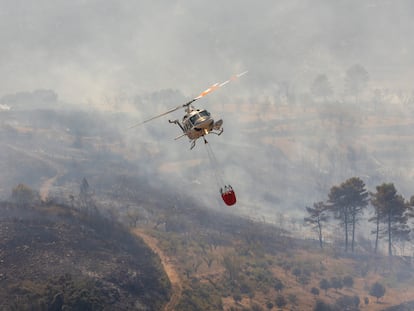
(87, 49)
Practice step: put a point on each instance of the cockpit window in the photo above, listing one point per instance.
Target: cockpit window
(194, 118)
(204, 113)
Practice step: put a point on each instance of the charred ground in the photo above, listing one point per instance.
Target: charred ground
(54, 258)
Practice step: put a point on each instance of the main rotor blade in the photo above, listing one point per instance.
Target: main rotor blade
(215, 86)
(157, 116)
(212, 88)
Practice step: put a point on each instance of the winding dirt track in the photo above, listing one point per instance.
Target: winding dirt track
(48, 183)
(169, 269)
(44, 189)
(152, 243)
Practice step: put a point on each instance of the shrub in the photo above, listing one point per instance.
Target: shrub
(256, 307)
(304, 279)
(202, 297)
(348, 303)
(336, 283)
(280, 301)
(23, 195)
(314, 291)
(348, 281)
(245, 288)
(278, 285)
(377, 290)
(293, 299)
(324, 285)
(237, 298)
(323, 306)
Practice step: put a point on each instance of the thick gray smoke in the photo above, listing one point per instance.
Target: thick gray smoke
(285, 141)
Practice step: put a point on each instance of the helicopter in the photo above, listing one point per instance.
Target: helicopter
(196, 123)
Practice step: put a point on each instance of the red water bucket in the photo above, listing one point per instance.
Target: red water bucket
(229, 197)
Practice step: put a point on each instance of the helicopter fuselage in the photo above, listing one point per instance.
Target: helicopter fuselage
(197, 123)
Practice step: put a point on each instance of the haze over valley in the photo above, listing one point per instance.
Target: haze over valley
(328, 97)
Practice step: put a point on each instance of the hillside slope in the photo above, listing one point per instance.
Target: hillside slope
(55, 258)
(230, 263)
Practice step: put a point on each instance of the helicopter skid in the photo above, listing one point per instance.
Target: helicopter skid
(218, 133)
(178, 137)
(218, 124)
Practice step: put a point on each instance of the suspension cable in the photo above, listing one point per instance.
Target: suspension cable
(214, 163)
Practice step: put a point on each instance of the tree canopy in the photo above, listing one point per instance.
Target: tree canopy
(356, 80)
(377, 290)
(317, 215)
(23, 195)
(347, 201)
(393, 211)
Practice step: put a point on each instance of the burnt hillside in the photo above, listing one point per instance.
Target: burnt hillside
(55, 258)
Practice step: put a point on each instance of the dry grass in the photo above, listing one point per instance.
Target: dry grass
(298, 296)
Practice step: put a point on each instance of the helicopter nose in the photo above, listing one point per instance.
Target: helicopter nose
(205, 124)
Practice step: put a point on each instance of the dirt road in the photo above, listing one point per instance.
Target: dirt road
(169, 269)
(42, 157)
